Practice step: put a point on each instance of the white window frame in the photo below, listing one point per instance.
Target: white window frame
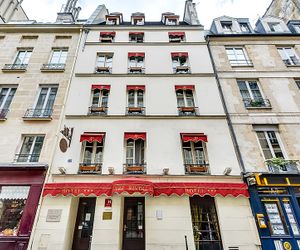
(185, 98)
(26, 52)
(60, 50)
(227, 24)
(246, 58)
(47, 96)
(6, 96)
(136, 98)
(250, 90)
(170, 21)
(138, 21)
(32, 146)
(286, 57)
(100, 99)
(136, 63)
(106, 56)
(275, 27)
(94, 150)
(177, 64)
(134, 152)
(193, 152)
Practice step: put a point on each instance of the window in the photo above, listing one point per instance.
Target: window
(238, 57)
(12, 203)
(289, 56)
(135, 100)
(6, 96)
(59, 56)
(298, 83)
(107, 37)
(205, 223)
(275, 27)
(99, 100)
(43, 107)
(171, 21)
(23, 57)
(185, 100)
(226, 26)
(138, 21)
(245, 28)
(31, 149)
(112, 21)
(297, 27)
(176, 37)
(251, 94)
(136, 63)
(104, 63)
(136, 37)
(180, 63)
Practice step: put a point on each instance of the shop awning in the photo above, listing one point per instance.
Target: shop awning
(100, 87)
(176, 33)
(144, 187)
(184, 87)
(179, 54)
(136, 54)
(194, 137)
(135, 136)
(135, 87)
(112, 34)
(91, 137)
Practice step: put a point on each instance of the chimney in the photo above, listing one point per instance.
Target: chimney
(69, 13)
(190, 13)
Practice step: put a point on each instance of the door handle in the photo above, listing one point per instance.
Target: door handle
(125, 228)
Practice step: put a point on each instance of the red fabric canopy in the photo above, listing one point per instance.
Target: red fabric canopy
(91, 137)
(176, 33)
(136, 185)
(179, 54)
(184, 87)
(135, 87)
(100, 87)
(136, 54)
(136, 33)
(135, 136)
(112, 33)
(186, 137)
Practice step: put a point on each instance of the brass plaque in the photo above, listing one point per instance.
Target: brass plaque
(107, 216)
(63, 145)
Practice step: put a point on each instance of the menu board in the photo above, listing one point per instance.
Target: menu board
(275, 218)
(291, 218)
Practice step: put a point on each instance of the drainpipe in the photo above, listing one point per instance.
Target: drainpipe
(231, 129)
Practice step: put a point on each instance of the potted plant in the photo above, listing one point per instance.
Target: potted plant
(278, 164)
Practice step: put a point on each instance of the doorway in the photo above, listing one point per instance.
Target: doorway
(84, 224)
(134, 223)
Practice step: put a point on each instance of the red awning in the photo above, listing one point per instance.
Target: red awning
(100, 87)
(108, 33)
(144, 187)
(136, 33)
(179, 54)
(176, 33)
(91, 137)
(135, 87)
(184, 87)
(135, 136)
(186, 137)
(136, 54)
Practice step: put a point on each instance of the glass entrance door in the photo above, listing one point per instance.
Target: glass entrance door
(84, 224)
(134, 223)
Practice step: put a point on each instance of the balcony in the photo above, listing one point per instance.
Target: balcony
(3, 114)
(136, 70)
(135, 111)
(188, 111)
(241, 63)
(182, 70)
(292, 62)
(90, 168)
(51, 67)
(134, 168)
(14, 67)
(257, 103)
(196, 169)
(103, 70)
(97, 111)
(282, 166)
(27, 157)
(38, 114)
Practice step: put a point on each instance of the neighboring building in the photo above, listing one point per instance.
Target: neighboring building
(11, 10)
(36, 63)
(151, 164)
(284, 9)
(259, 77)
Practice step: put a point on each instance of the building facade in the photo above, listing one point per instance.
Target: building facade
(258, 73)
(146, 160)
(36, 64)
(284, 9)
(11, 10)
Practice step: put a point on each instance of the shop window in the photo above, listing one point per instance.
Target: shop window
(136, 63)
(12, 203)
(180, 63)
(237, 57)
(99, 100)
(6, 96)
(185, 100)
(31, 149)
(289, 56)
(135, 103)
(104, 63)
(205, 223)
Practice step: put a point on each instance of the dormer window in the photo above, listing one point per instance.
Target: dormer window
(176, 37)
(114, 18)
(227, 26)
(180, 63)
(297, 27)
(170, 19)
(112, 21)
(245, 28)
(107, 37)
(275, 27)
(136, 37)
(138, 21)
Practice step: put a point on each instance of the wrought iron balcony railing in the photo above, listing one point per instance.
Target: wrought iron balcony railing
(188, 111)
(95, 110)
(182, 70)
(38, 113)
(27, 157)
(241, 63)
(133, 111)
(257, 103)
(283, 167)
(53, 67)
(3, 113)
(103, 70)
(201, 168)
(90, 168)
(134, 168)
(17, 67)
(136, 70)
(292, 62)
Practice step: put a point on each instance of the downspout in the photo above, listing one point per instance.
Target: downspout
(231, 129)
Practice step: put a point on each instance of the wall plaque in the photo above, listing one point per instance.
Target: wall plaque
(107, 216)
(108, 203)
(63, 145)
(54, 215)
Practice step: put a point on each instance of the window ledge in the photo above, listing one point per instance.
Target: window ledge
(13, 70)
(37, 118)
(293, 66)
(254, 108)
(52, 70)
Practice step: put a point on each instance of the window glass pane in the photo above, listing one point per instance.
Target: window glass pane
(264, 145)
(140, 98)
(27, 143)
(51, 98)
(42, 98)
(244, 90)
(189, 98)
(188, 157)
(27, 57)
(37, 149)
(63, 57)
(55, 56)
(131, 95)
(3, 94)
(255, 90)
(275, 144)
(88, 152)
(98, 154)
(101, 61)
(96, 96)
(9, 98)
(104, 98)
(139, 151)
(129, 151)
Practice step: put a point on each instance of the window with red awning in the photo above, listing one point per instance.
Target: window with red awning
(184, 87)
(111, 34)
(136, 87)
(136, 54)
(100, 87)
(136, 33)
(194, 137)
(177, 34)
(135, 136)
(91, 137)
(179, 54)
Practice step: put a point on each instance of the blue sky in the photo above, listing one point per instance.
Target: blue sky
(45, 10)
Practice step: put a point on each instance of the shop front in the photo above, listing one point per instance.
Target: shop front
(275, 202)
(20, 190)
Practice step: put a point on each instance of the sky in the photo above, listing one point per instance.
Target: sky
(46, 10)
